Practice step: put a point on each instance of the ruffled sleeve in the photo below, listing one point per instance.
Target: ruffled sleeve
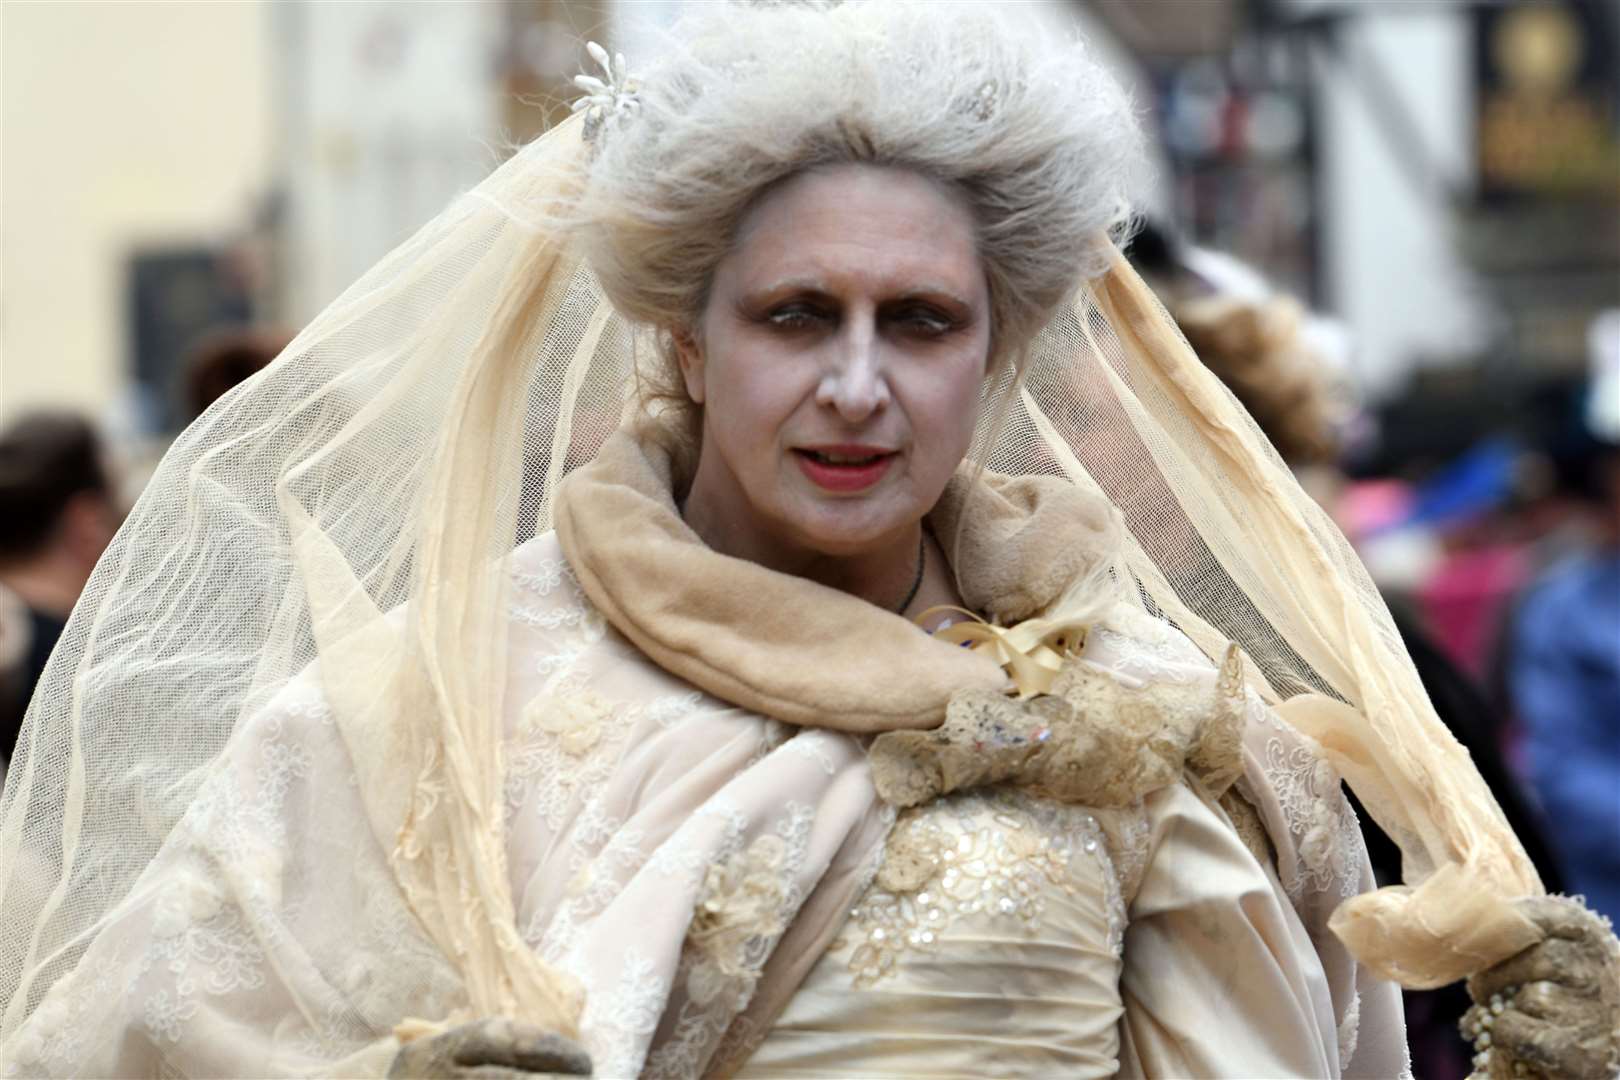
(1230, 968)
(1223, 977)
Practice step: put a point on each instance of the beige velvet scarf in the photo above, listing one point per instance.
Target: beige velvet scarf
(793, 649)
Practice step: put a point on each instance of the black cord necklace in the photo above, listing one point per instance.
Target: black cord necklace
(922, 563)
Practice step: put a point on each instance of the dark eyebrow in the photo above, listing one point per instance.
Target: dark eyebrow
(930, 292)
(782, 289)
(930, 295)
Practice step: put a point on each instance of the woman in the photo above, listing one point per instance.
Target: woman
(422, 786)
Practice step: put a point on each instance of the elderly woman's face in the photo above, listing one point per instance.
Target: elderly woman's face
(840, 357)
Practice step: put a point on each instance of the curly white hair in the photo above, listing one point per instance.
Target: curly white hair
(1022, 122)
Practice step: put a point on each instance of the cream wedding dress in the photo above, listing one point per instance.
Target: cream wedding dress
(731, 894)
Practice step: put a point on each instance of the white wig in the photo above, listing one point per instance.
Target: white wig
(1021, 122)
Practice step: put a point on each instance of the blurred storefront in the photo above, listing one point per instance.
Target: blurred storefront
(129, 130)
(1442, 177)
(386, 112)
(1543, 229)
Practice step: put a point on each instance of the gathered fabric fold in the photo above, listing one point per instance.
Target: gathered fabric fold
(793, 649)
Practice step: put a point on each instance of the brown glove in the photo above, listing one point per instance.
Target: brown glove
(1093, 741)
(1551, 1012)
(492, 1049)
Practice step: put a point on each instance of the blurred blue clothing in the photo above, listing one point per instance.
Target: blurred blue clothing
(1565, 677)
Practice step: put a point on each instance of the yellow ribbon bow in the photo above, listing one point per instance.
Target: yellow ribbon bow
(1032, 652)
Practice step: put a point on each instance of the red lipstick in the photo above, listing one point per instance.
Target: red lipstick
(844, 467)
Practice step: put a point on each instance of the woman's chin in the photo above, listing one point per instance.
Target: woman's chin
(847, 530)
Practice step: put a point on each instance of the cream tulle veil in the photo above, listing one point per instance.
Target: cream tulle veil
(350, 508)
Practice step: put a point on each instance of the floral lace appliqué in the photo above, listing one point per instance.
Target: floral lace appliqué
(619, 1023)
(53, 1038)
(1307, 789)
(996, 854)
(576, 719)
(569, 611)
(165, 1018)
(743, 903)
(1165, 657)
(747, 897)
(548, 576)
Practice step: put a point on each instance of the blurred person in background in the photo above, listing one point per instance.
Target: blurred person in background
(1564, 652)
(215, 363)
(58, 513)
(1277, 359)
(16, 637)
(225, 357)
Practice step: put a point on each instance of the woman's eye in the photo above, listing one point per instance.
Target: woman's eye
(924, 323)
(796, 318)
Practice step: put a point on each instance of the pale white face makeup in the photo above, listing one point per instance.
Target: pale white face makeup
(839, 361)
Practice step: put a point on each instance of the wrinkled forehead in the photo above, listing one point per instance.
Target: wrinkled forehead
(857, 228)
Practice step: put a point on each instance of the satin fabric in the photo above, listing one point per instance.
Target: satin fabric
(1225, 970)
(994, 995)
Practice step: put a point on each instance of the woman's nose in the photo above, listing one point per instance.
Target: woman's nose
(855, 383)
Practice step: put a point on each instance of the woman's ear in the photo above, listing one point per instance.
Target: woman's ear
(689, 354)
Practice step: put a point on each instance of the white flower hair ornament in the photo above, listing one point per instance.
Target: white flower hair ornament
(614, 96)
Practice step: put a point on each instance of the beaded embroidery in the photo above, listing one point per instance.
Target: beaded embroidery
(997, 854)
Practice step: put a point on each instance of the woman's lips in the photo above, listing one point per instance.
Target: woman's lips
(844, 475)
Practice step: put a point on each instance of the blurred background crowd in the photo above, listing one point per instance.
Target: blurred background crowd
(1392, 226)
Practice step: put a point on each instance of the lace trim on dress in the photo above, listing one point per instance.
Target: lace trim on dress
(1326, 832)
(996, 853)
(568, 732)
(746, 1033)
(1130, 839)
(626, 1017)
(1325, 828)
(747, 898)
(1238, 802)
(1162, 657)
(574, 612)
(813, 750)
(53, 1040)
(205, 944)
(1349, 1030)
(743, 907)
